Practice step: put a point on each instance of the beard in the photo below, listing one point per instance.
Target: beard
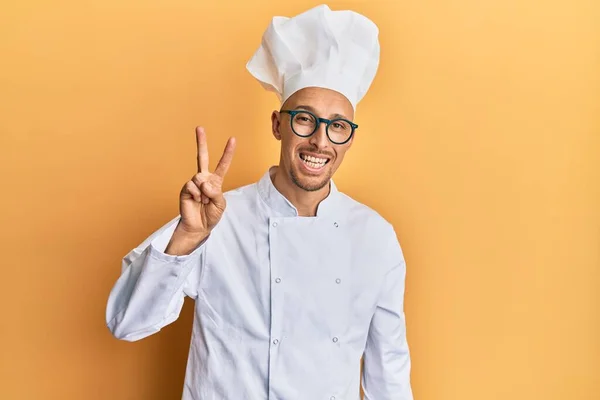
(310, 186)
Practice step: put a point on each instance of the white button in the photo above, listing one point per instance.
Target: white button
(335, 340)
(335, 224)
(338, 280)
(274, 224)
(332, 398)
(278, 280)
(275, 341)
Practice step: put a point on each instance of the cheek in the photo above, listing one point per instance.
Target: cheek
(288, 147)
(339, 156)
(291, 142)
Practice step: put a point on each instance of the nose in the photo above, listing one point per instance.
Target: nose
(319, 138)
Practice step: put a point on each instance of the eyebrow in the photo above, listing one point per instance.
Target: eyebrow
(311, 109)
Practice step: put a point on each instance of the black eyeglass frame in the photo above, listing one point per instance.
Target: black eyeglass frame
(319, 121)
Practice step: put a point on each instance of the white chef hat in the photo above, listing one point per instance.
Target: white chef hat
(337, 50)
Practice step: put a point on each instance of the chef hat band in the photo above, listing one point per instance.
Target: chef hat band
(337, 50)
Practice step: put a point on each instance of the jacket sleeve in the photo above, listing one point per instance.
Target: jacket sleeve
(150, 292)
(387, 364)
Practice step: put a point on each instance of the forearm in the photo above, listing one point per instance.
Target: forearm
(387, 362)
(149, 293)
(386, 372)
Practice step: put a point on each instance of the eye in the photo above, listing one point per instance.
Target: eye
(304, 119)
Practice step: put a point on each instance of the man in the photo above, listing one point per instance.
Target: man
(293, 281)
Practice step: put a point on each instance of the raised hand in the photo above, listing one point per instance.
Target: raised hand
(201, 201)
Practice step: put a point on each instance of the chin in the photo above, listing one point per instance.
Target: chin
(311, 171)
(309, 182)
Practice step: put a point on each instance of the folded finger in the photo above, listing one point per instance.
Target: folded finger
(193, 190)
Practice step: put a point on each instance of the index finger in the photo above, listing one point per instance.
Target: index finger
(226, 158)
(202, 149)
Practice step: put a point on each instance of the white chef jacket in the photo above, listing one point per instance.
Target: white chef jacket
(285, 306)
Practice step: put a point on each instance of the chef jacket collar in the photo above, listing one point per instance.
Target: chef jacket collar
(284, 207)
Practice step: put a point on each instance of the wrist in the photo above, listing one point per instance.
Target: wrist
(184, 242)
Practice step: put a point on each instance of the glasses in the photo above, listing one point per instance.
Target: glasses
(305, 124)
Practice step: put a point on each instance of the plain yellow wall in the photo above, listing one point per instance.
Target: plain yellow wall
(479, 140)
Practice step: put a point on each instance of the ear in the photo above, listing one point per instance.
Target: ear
(276, 124)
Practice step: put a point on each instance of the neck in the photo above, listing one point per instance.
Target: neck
(305, 202)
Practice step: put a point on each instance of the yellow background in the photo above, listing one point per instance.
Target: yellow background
(479, 140)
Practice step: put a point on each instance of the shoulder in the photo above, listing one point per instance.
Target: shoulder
(241, 193)
(373, 231)
(360, 214)
(240, 200)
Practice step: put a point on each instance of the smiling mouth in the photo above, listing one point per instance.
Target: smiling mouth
(313, 162)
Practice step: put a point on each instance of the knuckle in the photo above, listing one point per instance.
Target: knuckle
(197, 179)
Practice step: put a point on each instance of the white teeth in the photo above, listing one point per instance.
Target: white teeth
(313, 165)
(314, 160)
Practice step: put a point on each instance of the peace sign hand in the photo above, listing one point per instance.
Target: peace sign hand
(201, 201)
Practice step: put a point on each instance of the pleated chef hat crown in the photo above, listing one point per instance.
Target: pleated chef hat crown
(337, 50)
